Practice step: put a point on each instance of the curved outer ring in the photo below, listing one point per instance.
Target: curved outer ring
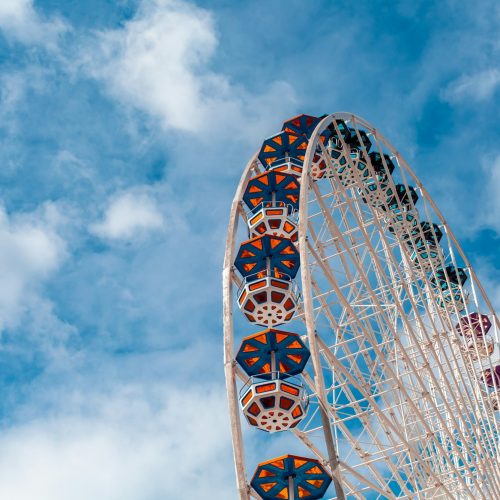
(230, 366)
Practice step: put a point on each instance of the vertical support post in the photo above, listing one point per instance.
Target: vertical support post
(309, 313)
(273, 365)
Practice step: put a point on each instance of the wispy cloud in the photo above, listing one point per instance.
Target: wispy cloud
(489, 205)
(474, 87)
(128, 216)
(30, 250)
(20, 21)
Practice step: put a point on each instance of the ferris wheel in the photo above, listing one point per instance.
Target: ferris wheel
(354, 322)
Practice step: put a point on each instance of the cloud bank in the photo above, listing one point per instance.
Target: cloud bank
(138, 443)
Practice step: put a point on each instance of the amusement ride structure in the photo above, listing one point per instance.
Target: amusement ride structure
(354, 323)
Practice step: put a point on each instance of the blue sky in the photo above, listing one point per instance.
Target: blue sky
(124, 128)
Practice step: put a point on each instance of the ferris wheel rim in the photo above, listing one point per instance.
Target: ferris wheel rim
(230, 367)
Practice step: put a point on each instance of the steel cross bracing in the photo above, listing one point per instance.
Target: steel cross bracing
(393, 394)
(432, 380)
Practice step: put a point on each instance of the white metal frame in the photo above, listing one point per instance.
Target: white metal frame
(397, 401)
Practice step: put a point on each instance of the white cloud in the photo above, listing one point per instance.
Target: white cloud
(20, 22)
(476, 87)
(135, 444)
(30, 250)
(129, 215)
(159, 63)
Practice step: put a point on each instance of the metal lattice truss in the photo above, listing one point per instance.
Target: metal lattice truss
(398, 408)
